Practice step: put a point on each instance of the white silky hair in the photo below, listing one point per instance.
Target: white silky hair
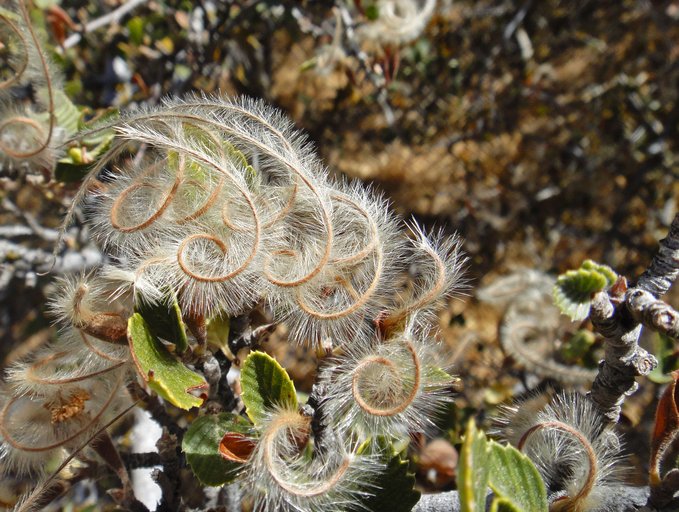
(64, 392)
(399, 21)
(227, 206)
(24, 132)
(559, 457)
(79, 297)
(267, 224)
(359, 279)
(281, 477)
(393, 387)
(64, 365)
(436, 266)
(29, 431)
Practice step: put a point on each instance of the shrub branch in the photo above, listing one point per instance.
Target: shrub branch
(619, 319)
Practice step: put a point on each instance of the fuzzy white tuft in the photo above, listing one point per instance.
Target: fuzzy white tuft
(570, 443)
(36, 425)
(29, 135)
(399, 21)
(282, 474)
(393, 387)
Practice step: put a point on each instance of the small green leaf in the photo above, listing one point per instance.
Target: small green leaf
(265, 384)
(372, 12)
(135, 27)
(574, 289)
(473, 470)
(394, 488)
(502, 505)
(308, 64)
(103, 117)
(69, 172)
(668, 360)
(10, 15)
(80, 159)
(515, 481)
(218, 327)
(67, 115)
(577, 348)
(438, 376)
(161, 370)
(201, 446)
(165, 320)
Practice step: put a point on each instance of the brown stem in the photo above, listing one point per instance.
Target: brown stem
(664, 268)
(653, 313)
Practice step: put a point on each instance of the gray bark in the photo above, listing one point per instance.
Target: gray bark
(620, 318)
(620, 498)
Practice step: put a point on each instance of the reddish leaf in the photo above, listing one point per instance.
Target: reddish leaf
(666, 427)
(236, 447)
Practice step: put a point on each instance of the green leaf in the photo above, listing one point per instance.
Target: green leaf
(165, 320)
(372, 12)
(161, 370)
(574, 289)
(473, 470)
(103, 117)
(439, 377)
(68, 172)
(201, 446)
(218, 327)
(502, 505)
(135, 27)
(394, 488)
(265, 384)
(66, 114)
(515, 481)
(668, 360)
(577, 348)
(10, 15)
(80, 159)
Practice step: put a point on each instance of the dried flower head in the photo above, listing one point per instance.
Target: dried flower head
(575, 450)
(228, 206)
(28, 132)
(285, 473)
(393, 387)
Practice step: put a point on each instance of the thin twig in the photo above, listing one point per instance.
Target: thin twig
(111, 18)
(664, 268)
(653, 313)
